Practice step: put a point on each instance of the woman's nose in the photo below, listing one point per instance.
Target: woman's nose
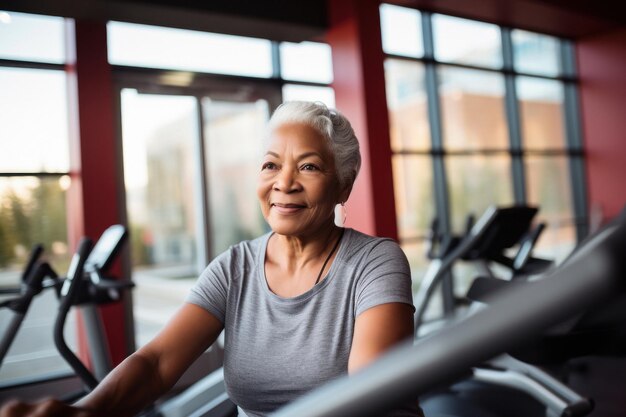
(286, 181)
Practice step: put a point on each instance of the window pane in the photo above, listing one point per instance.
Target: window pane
(309, 93)
(549, 186)
(159, 47)
(476, 182)
(467, 42)
(407, 104)
(234, 145)
(473, 109)
(535, 53)
(306, 61)
(160, 135)
(413, 188)
(33, 120)
(29, 37)
(32, 211)
(401, 31)
(541, 113)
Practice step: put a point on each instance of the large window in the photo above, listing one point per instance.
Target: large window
(479, 115)
(193, 119)
(34, 179)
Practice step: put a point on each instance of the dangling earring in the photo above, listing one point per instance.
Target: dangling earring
(341, 214)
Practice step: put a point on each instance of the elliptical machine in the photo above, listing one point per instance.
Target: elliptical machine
(505, 379)
(485, 240)
(86, 286)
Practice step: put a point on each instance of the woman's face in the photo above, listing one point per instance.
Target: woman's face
(298, 186)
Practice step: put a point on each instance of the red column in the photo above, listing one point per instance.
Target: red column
(93, 198)
(359, 83)
(601, 63)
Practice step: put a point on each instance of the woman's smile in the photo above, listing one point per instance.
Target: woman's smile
(288, 208)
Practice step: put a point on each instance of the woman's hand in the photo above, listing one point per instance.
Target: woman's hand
(49, 407)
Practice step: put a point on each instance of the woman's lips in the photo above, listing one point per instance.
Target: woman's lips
(287, 208)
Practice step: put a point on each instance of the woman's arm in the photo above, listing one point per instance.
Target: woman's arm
(154, 369)
(378, 329)
(145, 375)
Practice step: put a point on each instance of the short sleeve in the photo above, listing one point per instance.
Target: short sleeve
(211, 289)
(384, 278)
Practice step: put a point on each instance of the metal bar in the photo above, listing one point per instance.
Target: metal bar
(440, 269)
(276, 67)
(9, 334)
(97, 340)
(573, 137)
(69, 291)
(544, 378)
(442, 199)
(125, 257)
(121, 71)
(33, 174)
(201, 187)
(13, 63)
(503, 70)
(522, 383)
(502, 152)
(513, 118)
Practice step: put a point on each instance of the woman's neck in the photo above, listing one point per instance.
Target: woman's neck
(296, 252)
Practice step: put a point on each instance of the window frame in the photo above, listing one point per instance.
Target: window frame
(573, 148)
(61, 374)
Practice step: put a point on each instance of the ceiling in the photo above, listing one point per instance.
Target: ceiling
(307, 19)
(572, 19)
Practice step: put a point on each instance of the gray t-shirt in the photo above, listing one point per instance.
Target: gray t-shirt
(276, 348)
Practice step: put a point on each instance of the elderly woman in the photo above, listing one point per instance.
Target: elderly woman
(303, 304)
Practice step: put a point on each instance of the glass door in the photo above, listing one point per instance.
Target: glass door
(190, 167)
(233, 148)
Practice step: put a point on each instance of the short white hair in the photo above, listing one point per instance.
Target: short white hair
(330, 124)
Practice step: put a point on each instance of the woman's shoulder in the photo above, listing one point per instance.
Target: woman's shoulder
(364, 244)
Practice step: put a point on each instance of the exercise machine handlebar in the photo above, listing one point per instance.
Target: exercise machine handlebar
(34, 256)
(31, 284)
(70, 288)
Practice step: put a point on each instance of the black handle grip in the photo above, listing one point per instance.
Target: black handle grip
(68, 292)
(35, 254)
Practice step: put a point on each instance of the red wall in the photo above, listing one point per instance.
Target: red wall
(602, 70)
(359, 83)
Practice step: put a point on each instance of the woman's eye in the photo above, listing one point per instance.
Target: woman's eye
(268, 166)
(309, 167)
